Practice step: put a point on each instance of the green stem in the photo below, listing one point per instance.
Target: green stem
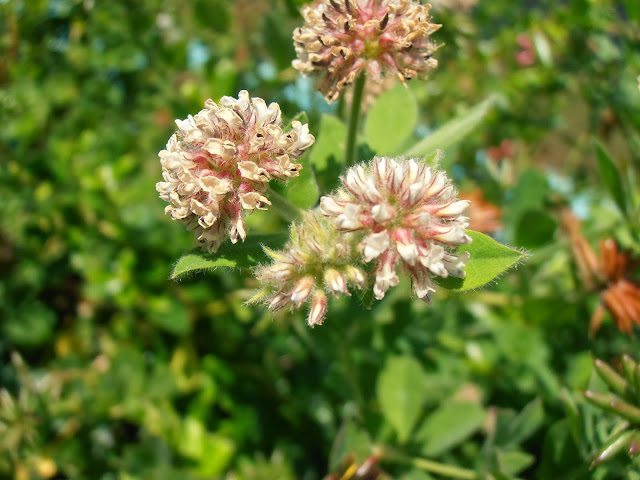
(283, 207)
(429, 465)
(354, 118)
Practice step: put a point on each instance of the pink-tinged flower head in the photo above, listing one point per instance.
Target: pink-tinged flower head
(220, 161)
(410, 216)
(318, 260)
(341, 38)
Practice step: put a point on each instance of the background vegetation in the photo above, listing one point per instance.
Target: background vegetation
(111, 371)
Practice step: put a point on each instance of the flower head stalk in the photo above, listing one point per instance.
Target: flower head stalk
(318, 260)
(341, 38)
(218, 164)
(408, 216)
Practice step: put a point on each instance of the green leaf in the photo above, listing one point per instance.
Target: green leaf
(400, 393)
(489, 259)
(535, 228)
(303, 191)
(196, 443)
(452, 131)
(169, 314)
(328, 151)
(449, 425)
(561, 458)
(523, 425)
(611, 177)
(351, 440)
(396, 108)
(240, 255)
(512, 463)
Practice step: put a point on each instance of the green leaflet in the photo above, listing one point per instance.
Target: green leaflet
(452, 131)
(489, 259)
(611, 177)
(241, 255)
(396, 108)
(401, 387)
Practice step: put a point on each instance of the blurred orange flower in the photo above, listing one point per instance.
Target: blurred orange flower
(483, 216)
(608, 274)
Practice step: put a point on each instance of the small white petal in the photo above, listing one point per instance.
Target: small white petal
(455, 208)
(385, 279)
(374, 245)
(453, 236)
(381, 213)
(348, 219)
(408, 252)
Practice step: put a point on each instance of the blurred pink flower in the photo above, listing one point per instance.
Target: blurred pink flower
(527, 55)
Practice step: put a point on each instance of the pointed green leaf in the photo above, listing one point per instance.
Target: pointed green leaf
(400, 393)
(396, 107)
(611, 177)
(514, 462)
(523, 425)
(240, 255)
(453, 131)
(449, 425)
(489, 259)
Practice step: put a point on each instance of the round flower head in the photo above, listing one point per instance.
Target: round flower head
(341, 38)
(219, 162)
(410, 216)
(316, 259)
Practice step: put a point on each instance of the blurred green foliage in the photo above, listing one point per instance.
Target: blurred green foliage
(111, 371)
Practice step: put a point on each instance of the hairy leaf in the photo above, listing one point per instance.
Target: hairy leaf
(489, 259)
(240, 255)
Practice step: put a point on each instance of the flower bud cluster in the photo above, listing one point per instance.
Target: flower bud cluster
(409, 216)
(341, 38)
(220, 161)
(317, 260)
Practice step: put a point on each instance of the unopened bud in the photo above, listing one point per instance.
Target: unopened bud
(302, 290)
(335, 281)
(318, 308)
(355, 276)
(279, 301)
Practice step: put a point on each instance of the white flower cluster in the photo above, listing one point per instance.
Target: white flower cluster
(218, 165)
(410, 216)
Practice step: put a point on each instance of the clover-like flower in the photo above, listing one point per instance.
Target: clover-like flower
(220, 161)
(317, 259)
(341, 38)
(410, 216)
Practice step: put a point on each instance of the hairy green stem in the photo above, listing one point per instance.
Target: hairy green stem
(354, 119)
(283, 207)
(429, 465)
